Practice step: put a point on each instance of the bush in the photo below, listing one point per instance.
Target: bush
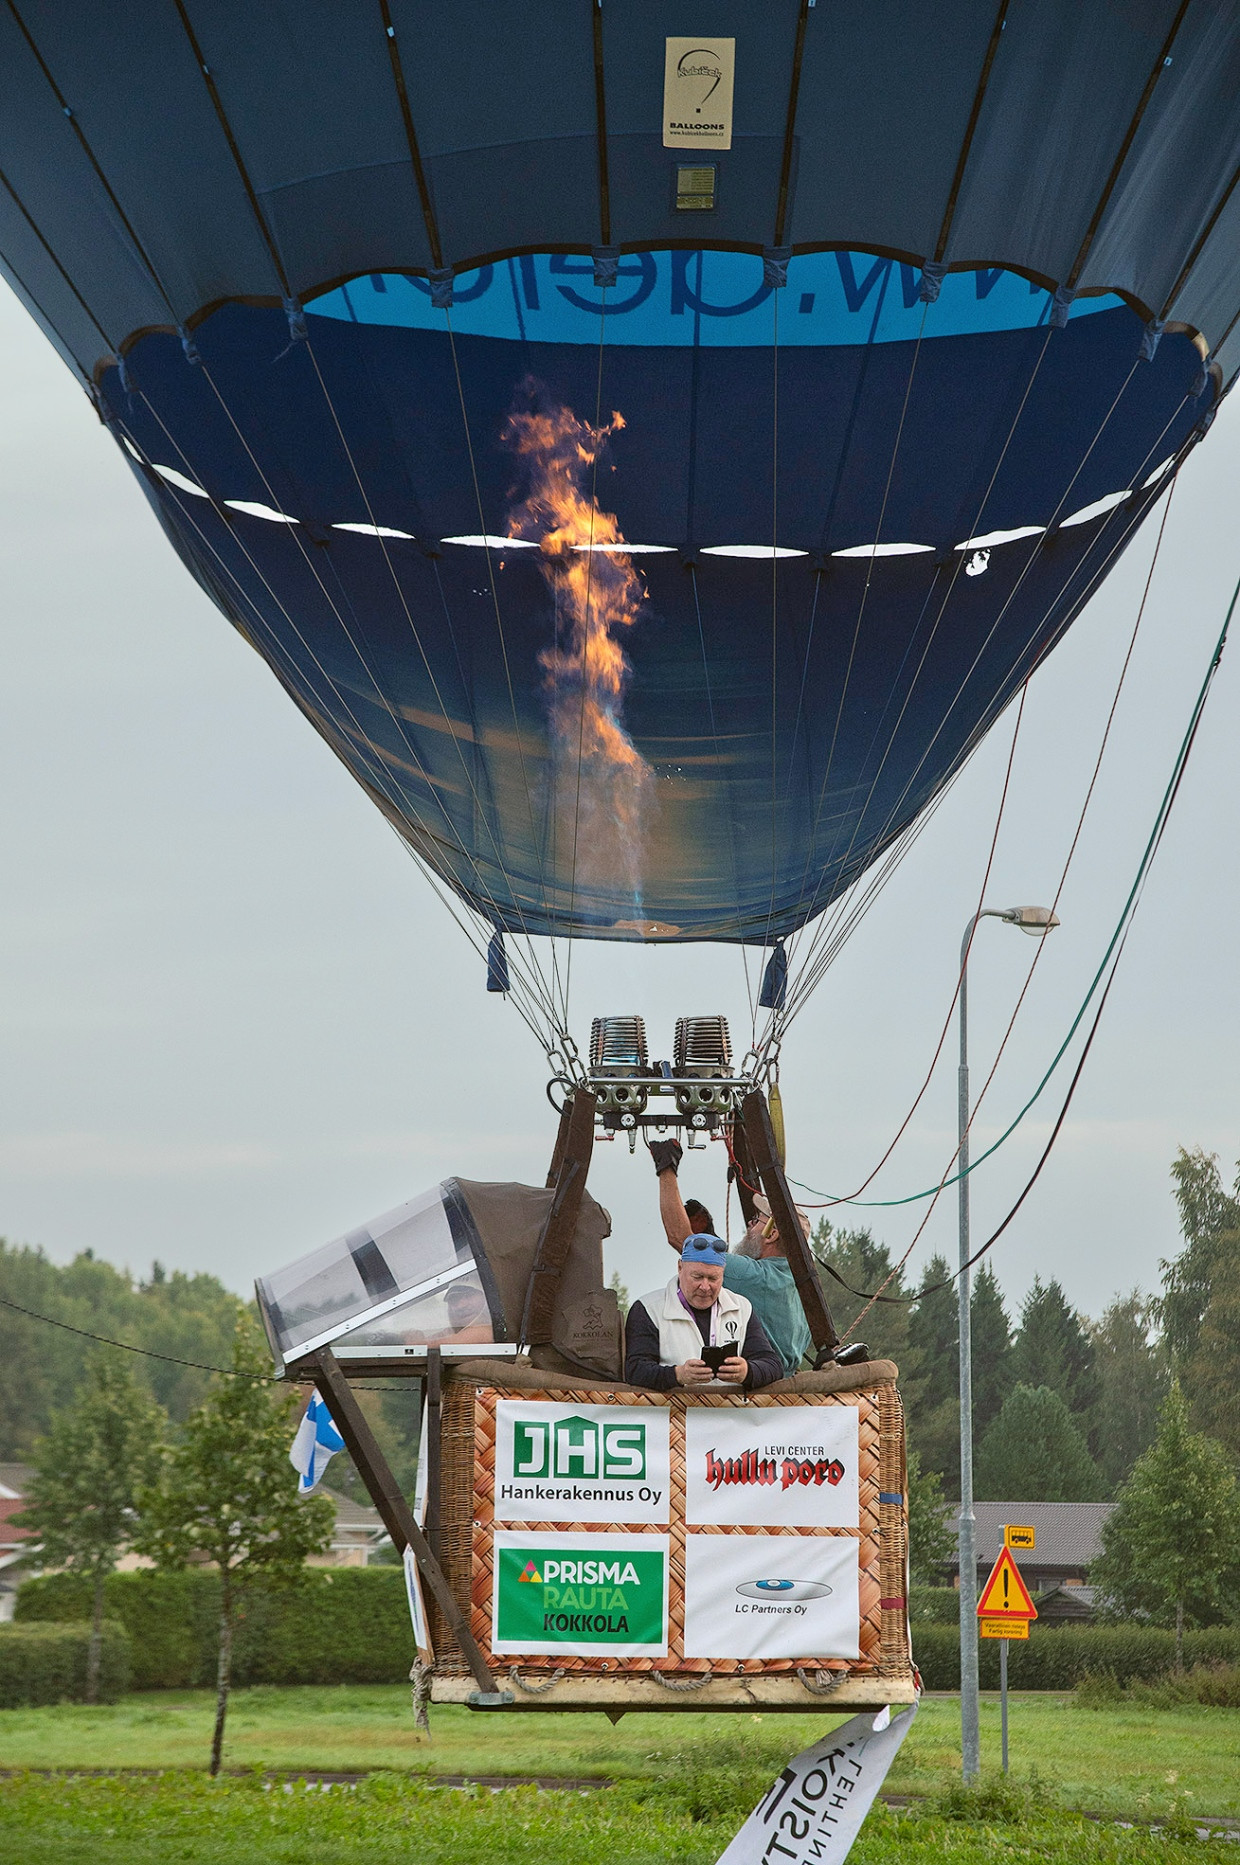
(346, 1625)
(933, 1605)
(1217, 1685)
(47, 1663)
(1057, 1658)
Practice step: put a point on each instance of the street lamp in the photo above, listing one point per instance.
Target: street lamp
(1037, 922)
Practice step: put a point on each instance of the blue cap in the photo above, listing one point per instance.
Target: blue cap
(701, 1247)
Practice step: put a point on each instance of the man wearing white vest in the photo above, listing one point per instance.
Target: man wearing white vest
(668, 1330)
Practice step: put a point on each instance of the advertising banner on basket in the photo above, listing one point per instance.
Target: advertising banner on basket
(777, 1466)
(771, 1596)
(581, 1463)
(814, 1811)
(585, 1596)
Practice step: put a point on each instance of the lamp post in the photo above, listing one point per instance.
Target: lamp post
(1037, 921)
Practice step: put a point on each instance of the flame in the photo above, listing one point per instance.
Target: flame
(604, 788)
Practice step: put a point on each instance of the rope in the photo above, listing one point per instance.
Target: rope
(535, 1690)
(681, 1685)
(149, 1353)
(816, 1686)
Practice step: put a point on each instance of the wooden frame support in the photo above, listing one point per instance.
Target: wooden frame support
(744, 1171)
(571, 1163)
(398, 1517)
(756, 1116)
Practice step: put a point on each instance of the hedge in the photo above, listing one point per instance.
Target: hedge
(345, 1625)
(933, 1606)
(1056, 1658)
(47, 1663)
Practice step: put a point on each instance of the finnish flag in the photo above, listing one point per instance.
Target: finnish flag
(315, 1445)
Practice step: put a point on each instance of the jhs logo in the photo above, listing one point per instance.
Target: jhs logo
(578, 1448)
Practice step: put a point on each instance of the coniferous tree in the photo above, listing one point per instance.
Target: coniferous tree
(931, 1537)
(1053, 1348)
(865, 1264)
(1035, 1452)
(933, 1329)
(1132, 1384)
(933, 1333)
(1171, 1546)
(991, 1332)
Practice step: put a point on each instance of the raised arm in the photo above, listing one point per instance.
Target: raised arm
(667, 1155)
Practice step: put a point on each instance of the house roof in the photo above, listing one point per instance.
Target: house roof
(350, 1514)
(1069, 1534)
(15, 1478)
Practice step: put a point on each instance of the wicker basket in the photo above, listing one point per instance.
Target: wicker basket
(883, 1672)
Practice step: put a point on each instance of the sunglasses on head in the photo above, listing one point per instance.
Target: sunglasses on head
(716, 1244)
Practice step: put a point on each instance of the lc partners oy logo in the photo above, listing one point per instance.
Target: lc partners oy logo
(590, 1594)
(605, 1463)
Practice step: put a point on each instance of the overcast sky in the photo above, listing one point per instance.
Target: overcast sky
(235, 1021)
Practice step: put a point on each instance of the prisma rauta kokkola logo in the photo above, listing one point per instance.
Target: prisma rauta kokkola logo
(608, 1595)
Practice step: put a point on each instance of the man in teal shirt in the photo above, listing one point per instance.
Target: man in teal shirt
(757, 1268)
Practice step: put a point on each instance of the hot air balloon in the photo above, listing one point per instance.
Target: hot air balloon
(651, 463)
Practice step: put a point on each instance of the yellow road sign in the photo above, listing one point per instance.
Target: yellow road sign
(1019, 1535)
(1005, 1593)
(1003, 1628)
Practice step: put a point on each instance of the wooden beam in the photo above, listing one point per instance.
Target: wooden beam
(560, 1225)
(434, 1450)
(398, 1518)
(561, 1141)
(746, 1171)
(761, 1137)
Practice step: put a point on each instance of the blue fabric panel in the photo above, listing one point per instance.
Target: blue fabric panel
(505, 117)
(393, 648)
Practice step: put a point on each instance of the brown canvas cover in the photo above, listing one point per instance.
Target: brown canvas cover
(509, 1220)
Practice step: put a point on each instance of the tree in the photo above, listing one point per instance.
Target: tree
(1034, 1452)
(992, 1349)
(865, 1264)
(1171, 1545)
(1212, 1376)
(931, 1537)
(43, 1369)
(934, 1338)
(89, 1471)
(227, 1492)
(1053, 1349)
(1132, 1383)
(1207, 1213)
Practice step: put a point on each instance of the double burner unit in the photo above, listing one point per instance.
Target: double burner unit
(698, 1089)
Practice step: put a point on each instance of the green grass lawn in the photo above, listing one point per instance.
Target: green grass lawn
(127, 1821)
(1128, 1761)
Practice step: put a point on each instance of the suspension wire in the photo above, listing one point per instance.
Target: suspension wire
(861, 608)
(770, 911)
(426, 662)
(1126, 913)
(148, 1353)
(710, 706)
(1098, 573)
(854, 1197)
(806, 985)
(538, 990)
(1134, 899)
(925, 652)
(383, 782)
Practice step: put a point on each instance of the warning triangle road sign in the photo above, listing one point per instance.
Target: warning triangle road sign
(1005, 1593)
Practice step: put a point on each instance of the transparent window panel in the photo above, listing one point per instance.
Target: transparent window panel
(317, 1297)
(454, 1315)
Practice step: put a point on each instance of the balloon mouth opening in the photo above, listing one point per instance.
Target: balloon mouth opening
(645, 929)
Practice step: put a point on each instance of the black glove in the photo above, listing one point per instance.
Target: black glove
(667, 1155)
